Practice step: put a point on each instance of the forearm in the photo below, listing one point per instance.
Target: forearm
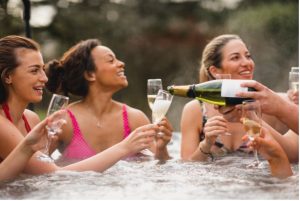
(289, 115)
(162, 153)
(280, 167)
(15, 162)
(284, 143)
(202, 153)
(101, 161)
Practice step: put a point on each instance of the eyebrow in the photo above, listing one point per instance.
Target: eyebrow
(36, 65)
(236, 53)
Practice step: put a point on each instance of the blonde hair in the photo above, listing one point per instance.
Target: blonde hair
(212, 55)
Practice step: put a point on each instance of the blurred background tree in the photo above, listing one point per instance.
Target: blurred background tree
(163, 38)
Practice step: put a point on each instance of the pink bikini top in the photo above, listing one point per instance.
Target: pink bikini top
(78, 147)
(7, 114)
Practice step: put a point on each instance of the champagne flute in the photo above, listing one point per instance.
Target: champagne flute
(153, 86)
(294, 80)
(161, 106)
(251, 119)
(295, 69)
(57, 102)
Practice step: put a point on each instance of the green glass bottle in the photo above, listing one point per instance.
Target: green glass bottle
(217, 92)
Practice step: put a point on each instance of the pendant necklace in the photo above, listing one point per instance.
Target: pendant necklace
(98, 124)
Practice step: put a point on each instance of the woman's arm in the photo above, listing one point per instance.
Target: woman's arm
(140, 139)
(289, 142)
(273, 104)
(159, 148)
(16, 161)
(271, 150)
(191, 127)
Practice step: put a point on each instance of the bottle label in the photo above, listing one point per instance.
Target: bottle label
(231, 87)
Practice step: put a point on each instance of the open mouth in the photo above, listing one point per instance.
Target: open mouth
(38, 89)
(121, 73)
(247, 73)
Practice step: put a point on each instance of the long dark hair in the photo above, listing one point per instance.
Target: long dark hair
(67, 75)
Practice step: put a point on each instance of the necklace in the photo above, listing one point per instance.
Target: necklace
(98, 124)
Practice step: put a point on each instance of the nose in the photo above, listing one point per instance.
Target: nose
(121, 64)
(246, 61)
(43, 77)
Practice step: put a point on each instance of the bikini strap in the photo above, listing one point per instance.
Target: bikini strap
(6, 111)
(27, 126)
(127, 129)
(7, 114)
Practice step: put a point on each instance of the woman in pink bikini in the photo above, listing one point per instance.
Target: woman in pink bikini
(96, 122)
(22, 82)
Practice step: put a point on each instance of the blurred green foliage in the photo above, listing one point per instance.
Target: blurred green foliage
(164, 38)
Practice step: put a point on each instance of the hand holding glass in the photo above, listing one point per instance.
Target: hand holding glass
(57, 102)
(161, 106)
(251, 119)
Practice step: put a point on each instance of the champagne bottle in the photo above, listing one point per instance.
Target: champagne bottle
(217, 92)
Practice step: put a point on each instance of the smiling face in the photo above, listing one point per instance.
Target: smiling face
(26, 82)
(109, 71)
(236, 60)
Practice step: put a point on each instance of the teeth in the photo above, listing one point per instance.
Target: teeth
(245, 72)
(121, 73)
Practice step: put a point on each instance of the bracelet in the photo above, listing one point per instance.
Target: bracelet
(209, 154)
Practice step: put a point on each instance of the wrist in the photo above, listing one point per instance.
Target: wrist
(126, 150)
(26, 148)
(280, 166)
(204, 149)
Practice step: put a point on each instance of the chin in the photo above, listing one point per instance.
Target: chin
(37, 100)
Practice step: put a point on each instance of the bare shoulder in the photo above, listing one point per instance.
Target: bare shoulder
(136, 117)
(134, 111)
(32, 117)
(192, 107)
(10, 137)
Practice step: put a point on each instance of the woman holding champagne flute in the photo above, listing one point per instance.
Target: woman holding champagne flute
(225, 54)
(96, 122)
(22, 82)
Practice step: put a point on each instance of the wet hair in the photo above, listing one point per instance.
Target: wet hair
(212, 55)
(66, 76)
(9, 58)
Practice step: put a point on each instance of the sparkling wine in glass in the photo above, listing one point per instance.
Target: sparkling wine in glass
(153, 86)
(251, 119)
(294, 80)
(58, 102)
(161, 105)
